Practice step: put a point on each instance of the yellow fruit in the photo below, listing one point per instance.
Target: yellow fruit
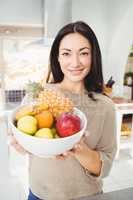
(39, 107)
(26, 110)
(57, 102)
(31, 110)
(44, 133)
(44, 119)
(27, 124)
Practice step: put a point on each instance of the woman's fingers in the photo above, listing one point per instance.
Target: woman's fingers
(16, 145)
(19, 149)
(64, 156)
(77, 147)
(60, 157)
(82, 139)
(80, 144)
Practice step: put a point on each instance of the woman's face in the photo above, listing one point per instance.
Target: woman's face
(75, 57)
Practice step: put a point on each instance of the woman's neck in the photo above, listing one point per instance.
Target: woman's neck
(77, 87)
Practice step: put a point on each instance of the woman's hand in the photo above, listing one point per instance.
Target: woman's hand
(13, 142)
(79, 148)
(88, 158)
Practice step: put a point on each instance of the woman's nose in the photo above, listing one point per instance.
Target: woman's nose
(75, 61)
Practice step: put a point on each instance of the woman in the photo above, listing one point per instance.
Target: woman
(76, 69)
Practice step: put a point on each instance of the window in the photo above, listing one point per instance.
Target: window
(22, 59)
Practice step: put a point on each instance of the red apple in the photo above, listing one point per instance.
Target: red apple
(68, 124)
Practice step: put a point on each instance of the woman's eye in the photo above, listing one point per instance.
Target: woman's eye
(84, 53)
(65, 54)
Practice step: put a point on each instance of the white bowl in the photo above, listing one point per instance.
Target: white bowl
(44, 147)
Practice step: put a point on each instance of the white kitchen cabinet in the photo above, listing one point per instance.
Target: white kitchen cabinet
(10, 186)
(122, 109)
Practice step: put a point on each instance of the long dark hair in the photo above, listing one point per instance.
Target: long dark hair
(94, 80)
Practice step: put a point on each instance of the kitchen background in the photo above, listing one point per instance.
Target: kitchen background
(27, 29)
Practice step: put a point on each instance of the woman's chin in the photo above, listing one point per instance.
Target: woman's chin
(75, 78)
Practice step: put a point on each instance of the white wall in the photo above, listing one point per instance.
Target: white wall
(21, 12)
(116, 14)
(112, 23)
(120, 40)
(57, 13)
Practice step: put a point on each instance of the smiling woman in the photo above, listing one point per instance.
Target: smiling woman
(75, 65)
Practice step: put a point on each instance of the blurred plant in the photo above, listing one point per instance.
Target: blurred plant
(33, 88)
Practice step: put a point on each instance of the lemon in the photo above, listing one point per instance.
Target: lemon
(27, 124)
(44, 133)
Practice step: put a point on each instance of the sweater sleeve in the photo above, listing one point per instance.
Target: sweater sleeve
(107, 145)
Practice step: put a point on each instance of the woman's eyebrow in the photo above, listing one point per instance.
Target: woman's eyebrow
(65, 49)
(84, 48)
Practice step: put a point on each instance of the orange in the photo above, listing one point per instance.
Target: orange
(44, 119)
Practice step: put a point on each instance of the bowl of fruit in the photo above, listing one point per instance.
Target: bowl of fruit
(48, 128)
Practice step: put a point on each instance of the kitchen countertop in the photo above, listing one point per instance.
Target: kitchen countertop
(125, 194)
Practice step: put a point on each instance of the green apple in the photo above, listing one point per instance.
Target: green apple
(53, 131)
(44, 133)
(55, 134)
(27, 124)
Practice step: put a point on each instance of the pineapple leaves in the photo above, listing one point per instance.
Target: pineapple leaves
(33, 88)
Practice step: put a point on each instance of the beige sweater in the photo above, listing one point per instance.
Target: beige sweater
(52, 179)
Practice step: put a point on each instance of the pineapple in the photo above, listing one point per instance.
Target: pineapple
(56, 102)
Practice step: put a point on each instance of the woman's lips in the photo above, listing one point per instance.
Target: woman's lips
(76, 72)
